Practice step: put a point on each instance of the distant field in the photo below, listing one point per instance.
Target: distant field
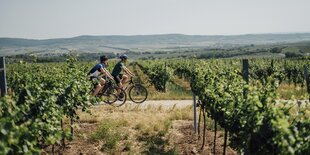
(162, 46)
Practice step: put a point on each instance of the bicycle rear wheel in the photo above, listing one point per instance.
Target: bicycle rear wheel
(112, 97)
(138, 93)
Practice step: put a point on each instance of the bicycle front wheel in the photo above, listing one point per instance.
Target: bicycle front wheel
(138, 93)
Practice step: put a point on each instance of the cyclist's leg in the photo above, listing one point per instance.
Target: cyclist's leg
(99, 86)
(124, 79)
(118, 81)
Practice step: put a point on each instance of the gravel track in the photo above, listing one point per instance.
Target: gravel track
(167, 104)
(163, 103)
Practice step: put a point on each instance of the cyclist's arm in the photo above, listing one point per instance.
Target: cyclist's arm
(128, 71)
(107, 73)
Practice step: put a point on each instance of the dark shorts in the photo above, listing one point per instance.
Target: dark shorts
(118, 78)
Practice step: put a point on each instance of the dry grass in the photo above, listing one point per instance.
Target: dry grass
(134, 129)
(131, 129)
(290, 91)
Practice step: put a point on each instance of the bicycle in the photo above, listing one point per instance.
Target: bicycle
(110, 93)
(137, 92)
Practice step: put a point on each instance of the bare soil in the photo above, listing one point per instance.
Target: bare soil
(184, 138)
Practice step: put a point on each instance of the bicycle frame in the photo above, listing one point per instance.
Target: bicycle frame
(129, 83)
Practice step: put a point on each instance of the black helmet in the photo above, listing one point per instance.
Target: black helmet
(103, 58)
(123, 56)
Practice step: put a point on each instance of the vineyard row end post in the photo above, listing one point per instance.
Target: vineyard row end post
(195, 111)
(2, 77)
(307, 78)
(195, 103)
(165, 81)
(245, 73)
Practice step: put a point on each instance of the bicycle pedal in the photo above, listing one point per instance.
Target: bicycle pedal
(121, 95)
(120, 99)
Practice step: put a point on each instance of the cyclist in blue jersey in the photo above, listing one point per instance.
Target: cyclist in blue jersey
(98, 70)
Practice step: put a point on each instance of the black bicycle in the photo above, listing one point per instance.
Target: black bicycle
(137, 92)
(111, 94)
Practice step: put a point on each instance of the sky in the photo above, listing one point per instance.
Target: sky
(43, 19)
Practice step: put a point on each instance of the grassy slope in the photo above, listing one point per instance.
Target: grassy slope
(175, 90)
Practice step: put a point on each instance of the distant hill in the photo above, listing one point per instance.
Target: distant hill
(118, 43)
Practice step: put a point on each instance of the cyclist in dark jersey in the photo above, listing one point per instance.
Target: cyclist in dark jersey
(119, 69)
(96, 71)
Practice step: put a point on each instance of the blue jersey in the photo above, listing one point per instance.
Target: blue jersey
(95, 71)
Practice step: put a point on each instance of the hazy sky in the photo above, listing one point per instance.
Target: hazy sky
(42, 19)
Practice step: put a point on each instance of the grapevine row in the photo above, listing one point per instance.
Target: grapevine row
(43, 94)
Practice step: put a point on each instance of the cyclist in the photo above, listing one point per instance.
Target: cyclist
(97, 70)
(118, 71)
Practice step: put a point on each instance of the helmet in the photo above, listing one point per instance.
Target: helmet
(123, 56)
(103, 58)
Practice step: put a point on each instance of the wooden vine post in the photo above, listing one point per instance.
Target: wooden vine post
(198, 126)
(3, 85)
(204, 125)
(194, 101)
(165, 81)
(214, 139)
(71, 128)
(307, 78)
(195, 111)
(245, 74)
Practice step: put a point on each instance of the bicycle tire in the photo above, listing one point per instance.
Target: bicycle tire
(140, 90)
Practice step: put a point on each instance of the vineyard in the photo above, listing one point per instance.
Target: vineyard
(241, 97)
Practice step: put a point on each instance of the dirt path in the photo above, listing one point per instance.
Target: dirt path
(184, 103)
(168, 104)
